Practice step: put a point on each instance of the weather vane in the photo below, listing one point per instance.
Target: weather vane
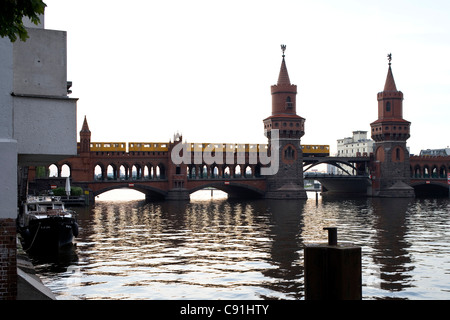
(389, 58)
(283, 48)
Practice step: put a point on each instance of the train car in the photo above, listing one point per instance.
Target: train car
(148, 146)
(315, 150)
(226, 147)
(108, 146)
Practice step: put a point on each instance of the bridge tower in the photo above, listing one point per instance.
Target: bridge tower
(176, 175)
(85, 137)
(391, 170)
(80, 165)
(287, 182)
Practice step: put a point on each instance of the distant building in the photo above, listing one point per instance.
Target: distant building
(435, 152)
(358, 145)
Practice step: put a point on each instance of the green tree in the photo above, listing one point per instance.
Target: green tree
(11, 14)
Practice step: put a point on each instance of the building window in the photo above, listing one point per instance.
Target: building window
(288, 103)
(388, 106)
(397, 154)
(289, 153)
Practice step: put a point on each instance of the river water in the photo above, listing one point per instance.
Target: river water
(214, 248)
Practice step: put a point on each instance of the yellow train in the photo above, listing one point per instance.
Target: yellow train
(148, 146)
(226, 147)
(109, 146)
(315, 150)
(309, 150)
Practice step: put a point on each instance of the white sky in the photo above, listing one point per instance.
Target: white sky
(144, 70)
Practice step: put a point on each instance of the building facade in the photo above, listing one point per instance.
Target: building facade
(357, 145)
(435, 152)
(37, 125)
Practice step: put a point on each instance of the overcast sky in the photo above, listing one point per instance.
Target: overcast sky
(144, 70)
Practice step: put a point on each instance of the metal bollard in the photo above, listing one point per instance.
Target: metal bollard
(332, 271)
(332, 236)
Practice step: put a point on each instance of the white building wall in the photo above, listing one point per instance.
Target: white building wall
(8, 146)
(40, 63)
(44, 122)
(357, 144)
(37, 118)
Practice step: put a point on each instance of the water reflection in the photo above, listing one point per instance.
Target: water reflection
(230, 249)
(285, 229)
(390, 249)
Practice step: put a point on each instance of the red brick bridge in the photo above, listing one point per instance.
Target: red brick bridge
(238, 168)
(147, 167)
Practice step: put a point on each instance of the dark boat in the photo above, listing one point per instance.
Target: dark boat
(45, 224)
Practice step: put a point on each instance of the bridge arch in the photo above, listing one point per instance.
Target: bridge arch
(124, 171)
(430, 188)
(99, 172)
(53, 170)
(334, 162)
(111, 171)
(426, 170)
(149, 191)
(136, 171)
(66, 170)
(160, 171)
(234, 190)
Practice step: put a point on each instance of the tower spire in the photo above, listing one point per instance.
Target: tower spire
(85, 127)
(85, 137)
(283, 78)
(390, 83)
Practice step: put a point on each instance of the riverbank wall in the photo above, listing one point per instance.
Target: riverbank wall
(29, 285)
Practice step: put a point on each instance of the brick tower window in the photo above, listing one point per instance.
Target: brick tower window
(388, 106)
(289, 153)
(288, 103)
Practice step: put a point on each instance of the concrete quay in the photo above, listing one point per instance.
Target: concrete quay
(29, 285)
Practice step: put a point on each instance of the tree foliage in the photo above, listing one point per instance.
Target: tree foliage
(74, 191)
(11, 14)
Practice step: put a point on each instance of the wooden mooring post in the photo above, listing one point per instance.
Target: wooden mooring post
(333, 271)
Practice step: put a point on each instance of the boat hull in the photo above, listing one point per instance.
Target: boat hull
(50, 233)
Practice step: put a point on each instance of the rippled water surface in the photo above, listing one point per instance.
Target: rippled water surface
(229, 249)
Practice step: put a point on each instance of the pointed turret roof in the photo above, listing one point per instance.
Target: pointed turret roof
(85, 127)
(390, 83)
(283, 78)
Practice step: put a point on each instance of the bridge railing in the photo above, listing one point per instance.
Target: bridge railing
(309, 175)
